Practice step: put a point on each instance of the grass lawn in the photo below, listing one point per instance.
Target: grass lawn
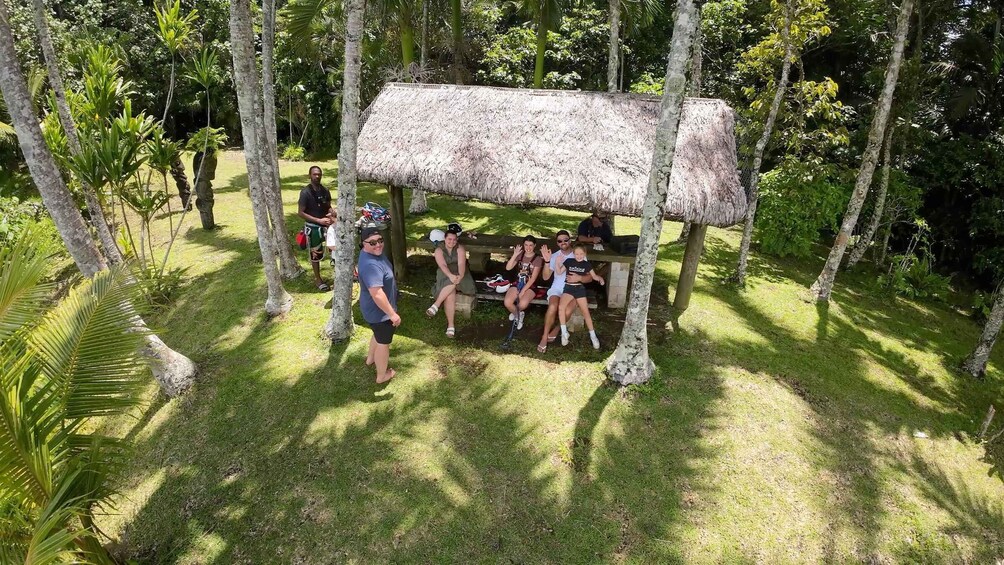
(774, 431)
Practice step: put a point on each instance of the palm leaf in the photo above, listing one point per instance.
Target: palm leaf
(90, 350)
(303, 19)
(21, 295)
(52, 541)
(25, 461)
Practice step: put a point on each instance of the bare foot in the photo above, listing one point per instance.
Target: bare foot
(369, 361)
(388, 376)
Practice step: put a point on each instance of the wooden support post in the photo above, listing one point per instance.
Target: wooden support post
(688, 272)
(399, 248)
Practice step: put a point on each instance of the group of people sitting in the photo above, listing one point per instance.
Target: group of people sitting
(566, 268)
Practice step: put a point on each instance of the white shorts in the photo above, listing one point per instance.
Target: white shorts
(556, 290)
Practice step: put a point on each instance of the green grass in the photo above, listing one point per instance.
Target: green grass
(774, 430)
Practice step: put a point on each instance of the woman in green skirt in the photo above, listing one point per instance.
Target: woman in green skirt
(451, 277)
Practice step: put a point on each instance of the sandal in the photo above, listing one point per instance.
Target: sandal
(541, 348)
(431, 311)
(450, 332)
(323, 287)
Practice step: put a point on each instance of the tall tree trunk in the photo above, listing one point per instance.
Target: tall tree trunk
(761, 145)
(260, 171)
(41, 163)
(823, 286)
(613, 49)
(457, 33)
(340, 326)
(881, 251)
(172, 370)
(976, 363)
(423, 55)
(181, 181)
(696, 60)
(407, 28)
(111, 250)
(288, 265)
(419, 203)
(538, 69)
(869, 234)
(630, 363)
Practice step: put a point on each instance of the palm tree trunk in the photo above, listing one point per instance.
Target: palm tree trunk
(172, 370)
(41, 163)
(340, 326)
(881, 251)
(630, 363)
(289, 267)
(976, 363)
(823, 286)
(457, 32)
(260, 170)
(111, 250)
(761, 145)
(613, 49)
(696, 60)
(419, 203)
(407, 40)
(538, 70)
(866, 238)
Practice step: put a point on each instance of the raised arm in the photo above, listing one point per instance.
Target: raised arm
(511, 264)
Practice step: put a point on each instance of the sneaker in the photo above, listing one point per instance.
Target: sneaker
(596, 341)
(512, 316)
(519, 324)
(564, 339)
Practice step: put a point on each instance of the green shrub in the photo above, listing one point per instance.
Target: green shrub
(913, 277)
(293, 152)
(798, 199)
(17, 216)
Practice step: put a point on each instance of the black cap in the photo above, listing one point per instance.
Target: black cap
(367, 232)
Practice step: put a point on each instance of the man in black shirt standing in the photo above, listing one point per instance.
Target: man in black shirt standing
(317, 213)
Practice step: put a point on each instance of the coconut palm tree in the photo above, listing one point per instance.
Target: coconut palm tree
(546, 16)
(97, 214)
(340, 326)
(288, 266)
(59, 369)
(173, 371)
(644, 12)
(823, 286)
(260, 171)
(630, 363)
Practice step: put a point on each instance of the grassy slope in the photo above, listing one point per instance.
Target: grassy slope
(774, 431)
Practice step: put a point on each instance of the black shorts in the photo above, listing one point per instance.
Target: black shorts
(576, 290)
(383, 332)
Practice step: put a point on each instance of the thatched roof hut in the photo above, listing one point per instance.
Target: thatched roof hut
(579, 150)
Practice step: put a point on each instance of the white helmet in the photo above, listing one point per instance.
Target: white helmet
(502, 288)
(435, 236)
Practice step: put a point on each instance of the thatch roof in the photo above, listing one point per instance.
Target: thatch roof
(578, 150)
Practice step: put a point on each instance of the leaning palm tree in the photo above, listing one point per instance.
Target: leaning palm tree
(340, 326)
(59, 370)
(173, 371)
(111, 250)
(823, 286)
(630, 363)
(260, 171)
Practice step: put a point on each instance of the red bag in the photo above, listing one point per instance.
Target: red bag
(301, 239)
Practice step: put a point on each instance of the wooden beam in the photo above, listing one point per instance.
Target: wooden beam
(399, 246)
(688, 272)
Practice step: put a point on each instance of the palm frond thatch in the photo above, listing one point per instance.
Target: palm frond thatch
(579, 150)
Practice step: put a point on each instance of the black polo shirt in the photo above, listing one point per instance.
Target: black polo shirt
(315, 203)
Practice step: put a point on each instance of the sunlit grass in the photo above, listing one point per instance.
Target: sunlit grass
(774, 431)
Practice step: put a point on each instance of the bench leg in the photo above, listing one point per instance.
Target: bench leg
(617, 285)
(465, 304)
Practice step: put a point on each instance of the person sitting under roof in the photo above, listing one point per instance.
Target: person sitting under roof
(595, 229)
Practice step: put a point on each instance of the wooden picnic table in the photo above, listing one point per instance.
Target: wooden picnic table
(480, 248)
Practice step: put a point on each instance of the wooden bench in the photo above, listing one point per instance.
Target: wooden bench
(484, 293)
(480, 249)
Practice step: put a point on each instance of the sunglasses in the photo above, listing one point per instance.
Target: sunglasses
(374, 242)
(566, 240)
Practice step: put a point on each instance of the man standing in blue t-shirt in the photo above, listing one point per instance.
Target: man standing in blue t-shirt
(378, 301)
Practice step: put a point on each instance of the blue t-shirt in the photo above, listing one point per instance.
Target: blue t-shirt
(374, 271)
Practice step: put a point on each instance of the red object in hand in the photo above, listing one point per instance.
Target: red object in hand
(301, 239)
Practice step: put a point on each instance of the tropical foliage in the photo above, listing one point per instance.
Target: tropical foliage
(62, 367)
